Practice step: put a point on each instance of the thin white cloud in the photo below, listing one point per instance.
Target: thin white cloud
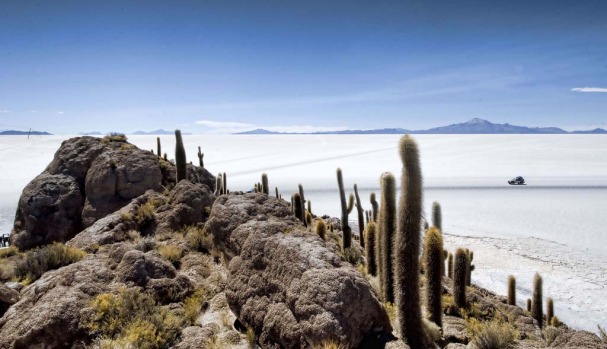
(5, 111)
(60, 112)
(589, 89)
(33, 111)
(223, 124)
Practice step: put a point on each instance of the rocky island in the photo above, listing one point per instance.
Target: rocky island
(118, 247)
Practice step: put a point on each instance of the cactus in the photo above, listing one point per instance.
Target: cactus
(549, 310)
(434, 266)
(303, 204)
(200, 157)
(180, 160)
(387, 228)
(445, 255)
(308, 219)
(469, 267)
(361, 221)
(406, 252)
(437, 217)
(321, 229)
(310, 206)
(426, 225)
(345, 228)
(165, 157)
(536, 304)
(450, 266)
(511, 290)
(277, 195)
(158, 148)
(459, 277)
(218, 185)
(528, 305)
(298, 208)
(265, 188)
(366, 217)
(374, 206)
(371, 237)
(225, 184)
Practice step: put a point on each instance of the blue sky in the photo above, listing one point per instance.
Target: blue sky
(223, 66)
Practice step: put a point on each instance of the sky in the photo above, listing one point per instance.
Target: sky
(225, 66)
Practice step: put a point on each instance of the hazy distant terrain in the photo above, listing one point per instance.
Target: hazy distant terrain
(554, 225)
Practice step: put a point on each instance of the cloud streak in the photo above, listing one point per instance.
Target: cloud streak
(589, 89)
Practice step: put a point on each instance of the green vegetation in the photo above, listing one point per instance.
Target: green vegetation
(39, 260)
(370, 256)
(459, 277)
(433, 245)
(180, 160)
(132, 318)
(407, 247)
(387, 227)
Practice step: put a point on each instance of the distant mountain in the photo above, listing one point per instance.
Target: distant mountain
(159, 132)
(595, 131)
(94, 133)
(474, 126)
(24, 133)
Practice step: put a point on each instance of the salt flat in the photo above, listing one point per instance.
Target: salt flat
(555, 225)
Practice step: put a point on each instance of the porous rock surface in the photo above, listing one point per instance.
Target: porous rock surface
(88, 179)
(285, 283)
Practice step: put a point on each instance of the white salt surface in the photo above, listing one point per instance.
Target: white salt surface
(555, 225)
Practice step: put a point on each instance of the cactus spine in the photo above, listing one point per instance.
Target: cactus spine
(265, 188)
(387, 228)
(437, 217)
(549, 310)
(321, 229)
(345, 228)
(434, 267)
(459, 277)
(406, 252)
(374, 206)
(371, 237)
(200, 157)
(361, 221)
(180, 161)
(511, 290)
(537, 311)
(158, 148)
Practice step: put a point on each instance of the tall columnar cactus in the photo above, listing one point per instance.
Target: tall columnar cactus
(459, 277)
(345, 228)
(265, 188)
(434, 267)
(298, 208)
(528, 305)
(366, 216)
(437, 216)
(450, 265)
(374, 206)
(218, 185)
(321, 229)
(165, 157)
(361, 221)
(426, 225)
(303, 204)
(549, 310)
(371, 237)
(537, 311)
(387, 228)
(180, 161)
(310, 206)
(158, 148)
(277, 195)
(200, 157)
(511, 290)
(406, 253)
(225, 183)
(469, 267)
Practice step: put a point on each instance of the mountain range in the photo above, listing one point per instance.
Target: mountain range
(23, 133)
(474, 126)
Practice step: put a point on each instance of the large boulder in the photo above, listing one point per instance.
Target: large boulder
(285, 283)
(189, 203)
(88, 179)
(49, 210)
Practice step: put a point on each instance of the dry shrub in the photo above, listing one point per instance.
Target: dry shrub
(171, 253)
(199, 239)
(193, 304)
(42, 259)
(492, 334)
(131, 318)
(8, 252)
(549, 334)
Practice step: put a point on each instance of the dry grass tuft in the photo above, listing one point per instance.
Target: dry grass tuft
(492, 334)
(42, 259)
